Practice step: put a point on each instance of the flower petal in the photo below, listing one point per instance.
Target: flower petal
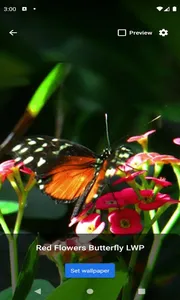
(85, 238)
(139, 137)
(166, 159)
(159, 181)
(107, 201)
(126, 215)
(128, 177)
(176, 141)
(92, 221)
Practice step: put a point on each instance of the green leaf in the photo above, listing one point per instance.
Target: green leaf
(26, 276)
(103, 288)
(6, 294)
(47, 88)
(45, 286)
(8, 207)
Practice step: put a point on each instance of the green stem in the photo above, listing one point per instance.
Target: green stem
(156, 217)
(157, 169)
(155, 249)
(12, 239)
(17, 177)
(126, 293)
(14, 184)
(22, 203)
(4, 226)
(127, 289)
(13, 257)
(59, 263)
(176, 170)
(30, 184)
(153, 255)
(175, 216)
(155, 226)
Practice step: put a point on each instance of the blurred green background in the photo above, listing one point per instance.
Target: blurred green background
(134, 79)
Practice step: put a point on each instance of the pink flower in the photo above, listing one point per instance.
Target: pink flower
(176, 141)
(159, 181)
(128, 177)
(166, 159)
(141, 139)
(150, 201)
(6, 169)
(126, 221)
(137, 138)
(81, 216)
(90, 227)
(136, 161)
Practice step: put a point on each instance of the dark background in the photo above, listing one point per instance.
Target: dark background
(133, 79)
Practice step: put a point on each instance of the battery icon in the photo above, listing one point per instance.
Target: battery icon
(174, 8)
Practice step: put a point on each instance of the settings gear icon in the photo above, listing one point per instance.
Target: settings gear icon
(163, 32)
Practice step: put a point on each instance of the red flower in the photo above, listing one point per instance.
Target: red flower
(6, 168)
(126, 221)
(126, 196)
(150, 201)
(107, 201)
(159, 181)
(117, 199)
(24, 169)
(128, 177)
(90, 227)
(176, 141)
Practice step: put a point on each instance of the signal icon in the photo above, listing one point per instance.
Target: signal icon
(159, 8)
(167, 9)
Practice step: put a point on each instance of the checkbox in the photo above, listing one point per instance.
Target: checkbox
(121, 32)
(141, 291)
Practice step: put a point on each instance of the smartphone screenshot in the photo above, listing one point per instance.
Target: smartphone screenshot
(89, 150)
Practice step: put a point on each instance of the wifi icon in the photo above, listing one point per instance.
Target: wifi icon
(159, 8)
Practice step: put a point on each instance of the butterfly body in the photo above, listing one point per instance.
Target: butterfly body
(67, 171)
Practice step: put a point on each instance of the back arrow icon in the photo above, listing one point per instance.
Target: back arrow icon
(12, 32)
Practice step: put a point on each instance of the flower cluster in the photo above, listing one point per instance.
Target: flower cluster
(126, 208)
(12, 171)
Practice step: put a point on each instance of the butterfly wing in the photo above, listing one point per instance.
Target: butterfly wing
(42, 153)
(64, 170)
(67, 171)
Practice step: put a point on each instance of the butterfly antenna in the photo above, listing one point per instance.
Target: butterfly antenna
(107, 131)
